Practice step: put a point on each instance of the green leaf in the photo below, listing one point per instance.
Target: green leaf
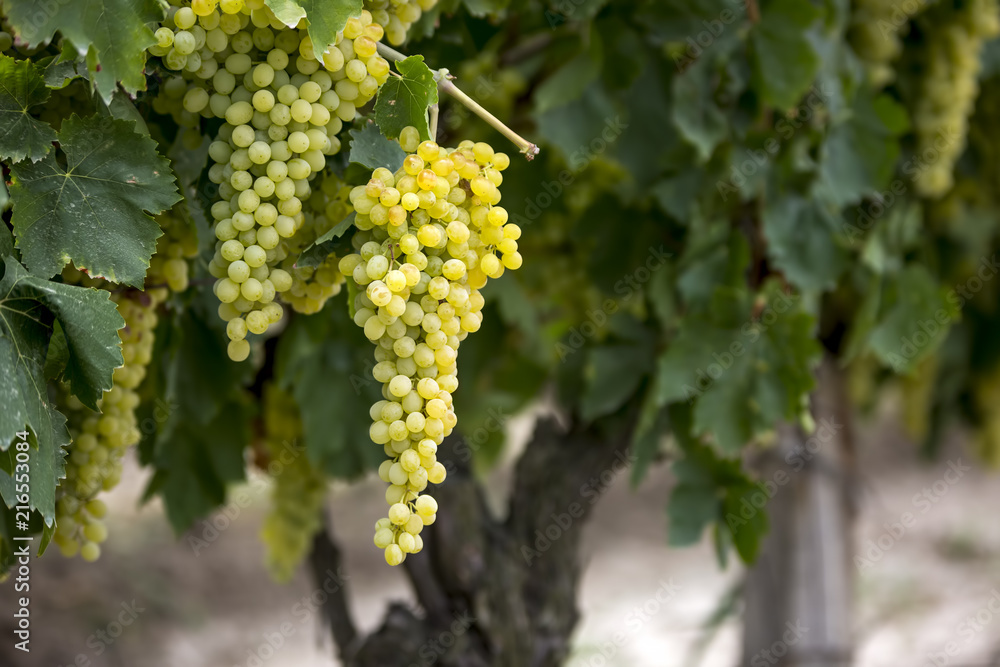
(914, 319)
(783, 58)
(324, 18)
(695, 113)
(570, 81)
(744, 370)
(6, 238)
(317, 361)
(202, 418)
(748, 526)
(22, 87)
(652, 426)
(612, 375)
(370, 148)
(403, 101)
(859, 154)
(801, 241)
(113, 33)
(29, 308)
(316, 252)
(91, 212)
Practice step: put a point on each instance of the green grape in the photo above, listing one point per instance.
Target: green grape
(954, 42)
(299, 489)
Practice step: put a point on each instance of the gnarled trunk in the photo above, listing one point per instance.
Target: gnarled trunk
(492, 593)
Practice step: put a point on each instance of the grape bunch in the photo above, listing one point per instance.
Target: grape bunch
(876, 33)
(169, 266)
(429, 237)
(299, 489)
(312, 287)
(99, 441)
(949, 88)
(397, 16)
(283, 105)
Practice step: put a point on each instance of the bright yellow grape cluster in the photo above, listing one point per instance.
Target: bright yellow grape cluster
(299, 488)
(397, 16)
(430, 235)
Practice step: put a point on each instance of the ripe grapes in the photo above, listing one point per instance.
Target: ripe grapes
(430, 236)
(299, 489)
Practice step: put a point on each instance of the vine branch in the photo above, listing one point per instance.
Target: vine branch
(443, 78)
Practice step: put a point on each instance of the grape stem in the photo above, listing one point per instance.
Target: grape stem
(443, 78)
(434, 121)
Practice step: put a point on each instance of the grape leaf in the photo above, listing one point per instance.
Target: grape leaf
(404, 100)
(317, 361)
(113, 33)
(742, 368)
(859, 154)
(316, 252)
(612, 375)
(91, 213)
(570, 81)
(695, 113)
(801, 242)
(370, 148)
(202, 420)
(22, 87)
(914, 317)
(783, 58)
(324, 18)
(29, 308)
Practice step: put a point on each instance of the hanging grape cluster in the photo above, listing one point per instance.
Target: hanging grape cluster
(99, 440)
(299, 489)
(283, 105)
(952, 62)
(430, 235)
(876, 31)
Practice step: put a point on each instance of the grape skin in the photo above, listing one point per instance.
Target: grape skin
(430, 236)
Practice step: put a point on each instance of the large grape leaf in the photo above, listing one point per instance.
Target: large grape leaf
(29, 308)
(743, 366)
(91, 212)
(783, 57)
(113, 33)
(324, 18)
(22, 87)
(801, 241)
(695, 113)
(914, 316)
(859, 154)
(404, 100)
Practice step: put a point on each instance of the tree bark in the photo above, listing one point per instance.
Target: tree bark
(799, 592)
(491, 592)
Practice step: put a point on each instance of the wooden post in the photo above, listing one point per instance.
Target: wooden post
(799, 593)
